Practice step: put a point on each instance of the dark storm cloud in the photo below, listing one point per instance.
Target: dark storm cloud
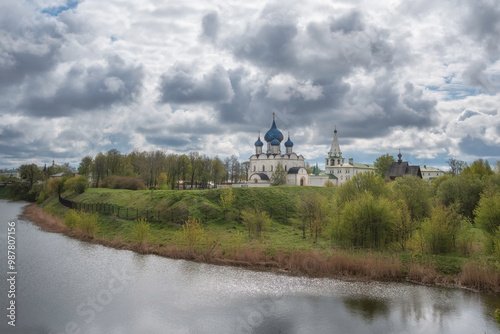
(348, 22)
(482, 23)
(477, 147)
(180, 85)
(474, 75)
(271, 46)
(235, 110)
(89, 88)
(9, 133)
(210, 27)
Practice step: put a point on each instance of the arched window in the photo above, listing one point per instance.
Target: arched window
(256, 180)
(254, 168)
(338, 162)
(263, 168)
(286, 168)
(271, 168)
(332, 162)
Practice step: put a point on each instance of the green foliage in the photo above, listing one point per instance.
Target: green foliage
(123, 182)
(480, 168)
(366, 221)
(488, 212)
(77, 184)
(416, 194)
(362, 183)
(382, 164)
(279, 176)
(31, 173)
(456, 165)
(329, 184)
(404, 225)
(162, 181)
(256, 221)
(140, 231)
(314, 213)
(72, 219)
(89, 224)
(463, 189)
(226, 199)
(497, 316)
(192, 233)
(441, 231)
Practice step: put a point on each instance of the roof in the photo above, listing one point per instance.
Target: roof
(263, 176)
(57, 175)
(430, 169)
(397, 169)
(294, 170)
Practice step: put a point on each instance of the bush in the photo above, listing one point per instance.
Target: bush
(77, 184)
(366, 222)
(140, 231)
(441, 231)
(123, 182)
(256, 221)
(89, 225)
(72, 219)
(192, 233)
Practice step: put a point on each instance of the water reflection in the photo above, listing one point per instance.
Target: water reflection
(366, 307)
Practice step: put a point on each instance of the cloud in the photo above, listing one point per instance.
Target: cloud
(180, 85)
(210, 27)
(89, 88)
(348, 22)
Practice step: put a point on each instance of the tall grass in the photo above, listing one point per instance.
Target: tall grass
(140, 232)
(479, 277)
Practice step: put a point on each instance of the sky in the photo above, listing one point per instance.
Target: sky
(82, 77)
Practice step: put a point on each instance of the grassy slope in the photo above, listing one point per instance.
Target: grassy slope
(284, 235)
(279, 202)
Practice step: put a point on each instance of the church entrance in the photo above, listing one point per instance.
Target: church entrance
(302, 181)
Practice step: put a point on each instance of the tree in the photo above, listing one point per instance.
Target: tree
(100, 168)
(456, 166)
(85, 166)
(404, 225)
(416, 194)
(30, 173)
(314, 212)
(192, 233)
(480, 168)
(366, 221)
(279, 176)
(441, 230)
(488, 213)
(226, 199)
(382, 164)
(162, 181)
(463, 189)
(256, 221)
(362, 183)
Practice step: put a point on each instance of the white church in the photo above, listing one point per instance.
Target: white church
(340, 170)
(262, 165)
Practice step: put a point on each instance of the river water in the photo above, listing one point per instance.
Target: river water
(69, 286)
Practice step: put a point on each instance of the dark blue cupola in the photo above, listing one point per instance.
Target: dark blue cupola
(273, 132)
(289, 145)
(258, 146)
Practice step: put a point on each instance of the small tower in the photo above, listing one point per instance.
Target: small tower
(258, 146)
(289, 145)
(399, 157)
(273, 137)
(335, 155)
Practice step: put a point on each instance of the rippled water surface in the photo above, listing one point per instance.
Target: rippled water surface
(69, 286)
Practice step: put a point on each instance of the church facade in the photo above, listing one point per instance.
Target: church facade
(263, 164)
(340, 170)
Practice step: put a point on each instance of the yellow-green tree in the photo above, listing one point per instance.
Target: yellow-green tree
(279, 176)
(226, 199)
(140, 231)
(256, 221)
(192, 233)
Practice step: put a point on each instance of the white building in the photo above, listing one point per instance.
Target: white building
(342, 171)
(263, 165)
(429, 173)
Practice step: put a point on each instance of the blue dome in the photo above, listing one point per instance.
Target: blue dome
(275, 142)
(273, 133)
(289, 143)
(259, 143)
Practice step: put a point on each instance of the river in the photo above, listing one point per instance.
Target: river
(69, 286)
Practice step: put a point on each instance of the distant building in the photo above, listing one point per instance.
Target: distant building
(340, 171)
(429, 173)
(11, 173)
(262, 165)
(400, 168)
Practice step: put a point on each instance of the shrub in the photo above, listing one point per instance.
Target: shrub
(89, 225)
(366, 222)
(140, 231)
(72, 219)
(441, 231)
(192, 233)
(123, 182)
(77, 184)
(256, 221)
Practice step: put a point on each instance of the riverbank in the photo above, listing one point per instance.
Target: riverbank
(358, 265)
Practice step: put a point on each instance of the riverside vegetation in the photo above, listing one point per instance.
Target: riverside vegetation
(446, 232)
